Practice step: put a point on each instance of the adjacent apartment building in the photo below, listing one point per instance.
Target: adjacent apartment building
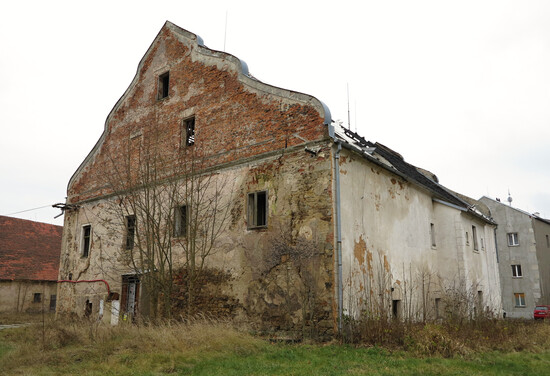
(212, 192)
(523, 244)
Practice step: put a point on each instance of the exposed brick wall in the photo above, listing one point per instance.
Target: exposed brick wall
(233, 120)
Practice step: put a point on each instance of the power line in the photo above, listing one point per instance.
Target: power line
(23, 211)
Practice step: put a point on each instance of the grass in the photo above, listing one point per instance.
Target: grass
(212, 348)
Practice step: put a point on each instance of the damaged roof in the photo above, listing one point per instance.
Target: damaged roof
(394, 162)
(29, 250)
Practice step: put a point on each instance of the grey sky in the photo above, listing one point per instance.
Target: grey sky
(460, 88)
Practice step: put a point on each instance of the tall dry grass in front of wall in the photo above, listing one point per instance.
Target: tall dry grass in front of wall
(429, 315)
(65, 341)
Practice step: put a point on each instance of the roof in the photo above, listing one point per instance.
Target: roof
(394, 162)
(510, 207)
(29, 250)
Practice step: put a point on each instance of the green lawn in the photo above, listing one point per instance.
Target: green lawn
(216, 349)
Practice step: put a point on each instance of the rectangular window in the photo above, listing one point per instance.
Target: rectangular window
(516, 271)
(513, 239)
(482, 243)
(130, 231)
(474, 238)
(37, 298)
(467, 239)
(432, 234)
(189, 129)
(180, 220)
(547, 242)
(53, 301)
(257, 209)
(86, 240)
(163, 85)
(520, 299)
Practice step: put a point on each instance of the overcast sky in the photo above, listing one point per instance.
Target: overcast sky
(461, 88)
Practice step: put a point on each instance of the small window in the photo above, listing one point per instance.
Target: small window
(189, 131)
(482, 243)
(474, 238)
(53, 302)
(513, 239)
(180, 220)
(467, 239)
(130, 231)
(257, 209)
(163, 85)
(547, 242)
(37, 298)
(520, 299)
(432, 234)
(86, 240)
(516, 271)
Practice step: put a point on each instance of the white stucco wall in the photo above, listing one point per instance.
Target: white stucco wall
(387, 246)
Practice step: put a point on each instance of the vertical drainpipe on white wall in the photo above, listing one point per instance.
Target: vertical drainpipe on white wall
(338, 235)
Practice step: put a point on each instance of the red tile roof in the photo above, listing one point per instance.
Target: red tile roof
(29, 250)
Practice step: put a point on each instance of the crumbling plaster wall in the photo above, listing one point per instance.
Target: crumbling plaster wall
(387, 245)
(250, 132)
(299, 200)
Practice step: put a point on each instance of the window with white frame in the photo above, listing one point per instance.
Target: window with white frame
(519, 299)
(516, 271)
(86, 240)
(513, 239)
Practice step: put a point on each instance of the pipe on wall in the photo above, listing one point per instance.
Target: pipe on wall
(338, 235)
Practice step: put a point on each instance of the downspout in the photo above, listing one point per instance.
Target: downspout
(338, 234)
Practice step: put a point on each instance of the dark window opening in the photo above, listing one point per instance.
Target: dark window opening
(86, 238)
(88, 309)
(432, 233)
(180, 221)
(257, 209)
(53, 302)
(474, 238)
(516, 271)
(189, 125)
(130, 231)
(395, 308)
(37, 298)
(163, 85)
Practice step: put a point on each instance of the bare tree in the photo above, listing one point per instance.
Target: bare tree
(169, 210)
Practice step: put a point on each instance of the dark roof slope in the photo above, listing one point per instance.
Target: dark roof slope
(413, 173)
(29, 250)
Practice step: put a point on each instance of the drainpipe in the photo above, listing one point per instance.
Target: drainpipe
(338, 235)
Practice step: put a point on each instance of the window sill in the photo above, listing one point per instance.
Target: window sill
(257, 227)
(520, 277)
(520, 306)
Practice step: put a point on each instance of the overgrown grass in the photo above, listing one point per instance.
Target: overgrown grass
(67, 347)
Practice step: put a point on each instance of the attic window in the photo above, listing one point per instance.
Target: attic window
(189, 128)
(163, 85)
